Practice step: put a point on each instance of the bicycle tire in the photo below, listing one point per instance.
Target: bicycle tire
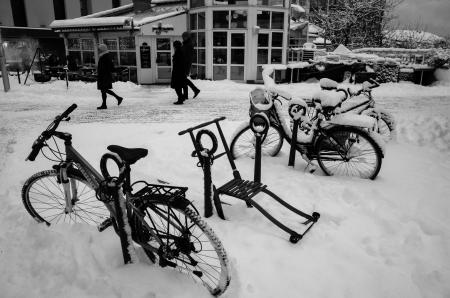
(43, 198)
(198, 242)
(243, 144)
(330, 155)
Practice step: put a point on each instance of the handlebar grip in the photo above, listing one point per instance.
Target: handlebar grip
(34, 153)
(68, 111)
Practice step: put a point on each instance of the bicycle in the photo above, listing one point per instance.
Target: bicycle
(342, 148)
(385, 123)
(159, 218)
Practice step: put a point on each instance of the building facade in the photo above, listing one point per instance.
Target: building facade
(232, 39)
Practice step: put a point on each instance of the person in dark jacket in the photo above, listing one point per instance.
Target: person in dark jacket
(188, 53)
(105, 68)
(178, 81)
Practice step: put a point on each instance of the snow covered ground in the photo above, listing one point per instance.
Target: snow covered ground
(384, 238)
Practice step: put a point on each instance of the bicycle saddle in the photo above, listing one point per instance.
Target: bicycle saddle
(129, 155)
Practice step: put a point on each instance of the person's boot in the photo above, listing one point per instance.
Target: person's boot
(119, 100)
(196, 92)
(102, 107)
(179, 102)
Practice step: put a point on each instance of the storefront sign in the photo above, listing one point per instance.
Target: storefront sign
(145, 56)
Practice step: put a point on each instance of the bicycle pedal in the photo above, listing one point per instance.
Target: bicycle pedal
(104, 225)
(311, 168)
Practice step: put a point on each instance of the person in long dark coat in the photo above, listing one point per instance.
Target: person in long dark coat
(105, 68)
(178, 80)
(188, 53)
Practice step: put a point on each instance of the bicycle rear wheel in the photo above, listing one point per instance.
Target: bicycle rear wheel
(348, 151)
(243, 144)
(183, 241)
(43, 198)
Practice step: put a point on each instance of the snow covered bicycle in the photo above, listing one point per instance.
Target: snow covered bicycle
(158, 218)
(385, 123)
(344, 145)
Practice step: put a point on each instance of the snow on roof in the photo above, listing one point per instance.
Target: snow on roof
(405, 35)
(297, 8)
(299, 25)
(125, 16)
(153, 18)
(92, 22)
(342, 50)
(321, 40)
(314, 29)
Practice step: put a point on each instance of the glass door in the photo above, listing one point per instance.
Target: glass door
(163, 59)
(229, 55)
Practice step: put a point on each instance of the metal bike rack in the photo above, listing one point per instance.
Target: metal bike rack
(238, 188)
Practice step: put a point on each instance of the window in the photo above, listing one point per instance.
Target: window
(19, 14)
(220, 19)
(123, 54)
(270, 50)
(197, 26)
(197, 21)
(197, 3)
(85, 7)
(113, 48)
(270, 3)
(270, 20)
(115, 3)
(235, 19)
(82, 50)
(60, 9)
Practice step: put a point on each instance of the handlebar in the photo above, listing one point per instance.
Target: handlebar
(49, 132)
(200, 126)
(367, 87)
(68, 111)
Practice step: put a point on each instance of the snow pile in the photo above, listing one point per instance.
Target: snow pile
(329, 98)
(442, 76)
(419, 36)
(389, 237)
(425, 130)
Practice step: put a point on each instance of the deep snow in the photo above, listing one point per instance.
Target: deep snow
(384, 238)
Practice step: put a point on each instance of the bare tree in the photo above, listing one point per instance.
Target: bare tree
(355, 23)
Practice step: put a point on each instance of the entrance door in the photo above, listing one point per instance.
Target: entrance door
(229, 55)
(146, 65)
(163, 59)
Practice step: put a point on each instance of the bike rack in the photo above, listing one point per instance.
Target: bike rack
(238, 188)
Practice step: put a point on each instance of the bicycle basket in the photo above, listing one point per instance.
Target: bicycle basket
(259, 102)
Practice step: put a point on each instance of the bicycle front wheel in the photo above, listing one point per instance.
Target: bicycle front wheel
(183, 241)
(243, 144)
(44, 199)
(348, 151)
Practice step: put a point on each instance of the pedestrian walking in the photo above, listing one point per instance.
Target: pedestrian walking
(178, 81)
(188, 53)
(105, 68)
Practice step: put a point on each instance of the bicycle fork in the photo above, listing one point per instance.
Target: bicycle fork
(69, 186)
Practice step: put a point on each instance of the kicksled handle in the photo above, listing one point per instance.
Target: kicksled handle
(201, 125)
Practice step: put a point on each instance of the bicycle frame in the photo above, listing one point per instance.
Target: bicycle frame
(94, 179)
